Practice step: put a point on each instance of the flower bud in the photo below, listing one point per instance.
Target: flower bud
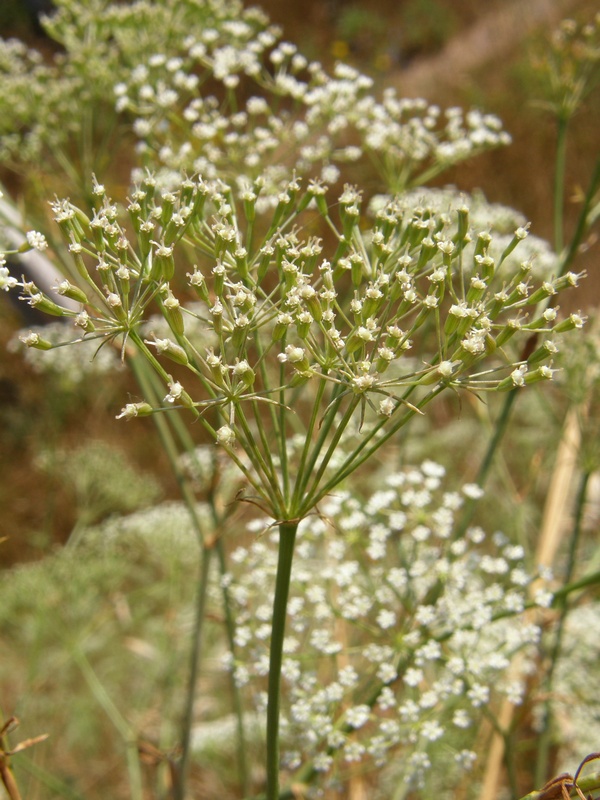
(132, 410)
(67, 289)
(481, 245)
(173, 314)
(309, 296)
(219, 272)
(296, 356)
(163, 263)
(244, 373)
(173, 351)
(39, 301)
(198, 283)
(543, 373)
(548, 349)
(520, 234)
(83, 321)
(225, 436)
(574, 321)
(428, 249)
(303, 322)
(515, 380)
(34, 340)
(509, 330)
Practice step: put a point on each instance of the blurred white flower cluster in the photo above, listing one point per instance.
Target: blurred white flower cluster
(400, 637)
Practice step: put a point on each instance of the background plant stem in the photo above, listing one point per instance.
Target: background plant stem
(188, 716)
(559, 183)
(545, 740)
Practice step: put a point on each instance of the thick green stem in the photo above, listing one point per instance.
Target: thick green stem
(287, 538)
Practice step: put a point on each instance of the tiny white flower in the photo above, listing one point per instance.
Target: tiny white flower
(37, 240)
(6, 279)
(175, 392)
(357, 716)
(225, 436)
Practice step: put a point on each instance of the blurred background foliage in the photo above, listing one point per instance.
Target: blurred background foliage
(65, 462)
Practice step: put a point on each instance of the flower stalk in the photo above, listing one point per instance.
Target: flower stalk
(287, 538)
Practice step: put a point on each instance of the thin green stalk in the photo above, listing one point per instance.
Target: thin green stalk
(281, 429)
(120, 723)
(278, 420)
(235, 690)
(186, 727)
(325, 427)
(287, 538)
(363, 451)
(593, 579)
(303, 473)
(582, 222)
(145, 378)
(269, 477)
(339, 431)
(500, 428)
(559, 182)
(266, 444)
(55, 786)
(187, 443)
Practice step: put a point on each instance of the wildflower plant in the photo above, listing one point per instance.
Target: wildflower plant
(302, 340)
(288, 312)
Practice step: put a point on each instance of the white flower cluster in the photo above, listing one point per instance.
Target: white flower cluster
(576, 685)
(214, 89)
(330, 119)
(398, 635)
(501, 221)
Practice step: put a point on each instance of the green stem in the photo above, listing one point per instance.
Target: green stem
(339, 431)
(559, 183)
(499, 430)
(281, 429)
(146, 379)
(593, 579)
(186, 726)
(582, 222)
(287, 538)
(363, 452)
(122, 726)
(304, 470)
(235, 689)
(55, 786)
